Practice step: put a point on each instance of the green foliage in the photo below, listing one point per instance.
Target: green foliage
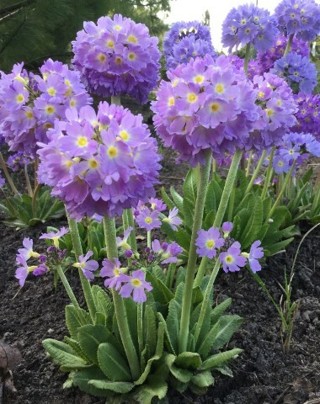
(34, 30)
(24, 210)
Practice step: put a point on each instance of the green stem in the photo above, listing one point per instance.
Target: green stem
(247, 58)
(228, 187)
(67, 287)
(192, 259)
(249, 163)
(28, 183)
(149, 238)
(120, 310)
(115, 100)
(284, 185)
(289, 44)
(206, 298)
(8, 176)
(77, 247)
(256, 171)
(268, 177)
(34, 200)
(129, 222)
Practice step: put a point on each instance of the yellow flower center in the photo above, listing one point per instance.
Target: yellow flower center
(215, 107)
(93, 163)
(82, 141)
(112, 152)
(171, 101)
(261, 94)
(29, 114)
(52, 91)
(50, 109)
(210, 244)
(132, 39)
(136, 282)
(199, 79)
(229, 259)
(67, 83)
(101, 57)
(124, 135)
(148, 220)
(73, 102)
(132, 56)
(269, 112)
(118, 27)
(118, 60)
(20, 98)
(110, 43)
(219, 88)
(192, 98)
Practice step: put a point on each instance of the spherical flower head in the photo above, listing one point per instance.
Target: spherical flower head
(249, 24)
(87, 266)
(208, 242)
(135, 286)
(186, 40)
(299, 17)
(117, 56)
(267, 59)
(300, 73)
(277, 109)
(29, 104)
(308, 114)
(207, 105)
(100, 164)
(232, 260)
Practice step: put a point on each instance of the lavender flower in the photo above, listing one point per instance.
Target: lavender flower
(116, 167)
(148, 219)
(29, 104)
(123, 242)
(208, 242)
(168, 252)
(23, 270)
(232, 260)
(300, 73)
(208, 104)
(87, 266)
(249, 24)
(112, 270)
(55, 235)
(173, 219)
(186, 40)
(117, 57)
(226, 228)
(256, 252)
(299, 17)
(308, 114)
(27, 252)
(136, 286)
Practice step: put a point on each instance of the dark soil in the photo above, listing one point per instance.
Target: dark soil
(263, 374)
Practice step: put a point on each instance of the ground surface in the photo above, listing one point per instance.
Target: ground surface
(263, 374)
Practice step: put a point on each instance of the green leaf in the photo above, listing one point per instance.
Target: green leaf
(177, 199)
(188, 360)
(154, 388)
(203, 379)
(162, 294)
(62, 354)
(228, 325)
(112, 363)
(217, 312)
(173, 322)
(117, 387)
(76, 318)
(220, 358)
(150, 329)
(183, 375)
(168, 342)
(82, 378)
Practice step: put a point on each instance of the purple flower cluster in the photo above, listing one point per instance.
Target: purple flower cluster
(133, 285)
(277, 106)
(300, 73)
(308, 114)
(117, 57)
(29, 104)
(186, 40)
(99, 163)
(249, 24)
(149, 216)
(267, 59)
(295, 148)
(299, 17)
(207, 104)
(210, 244)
